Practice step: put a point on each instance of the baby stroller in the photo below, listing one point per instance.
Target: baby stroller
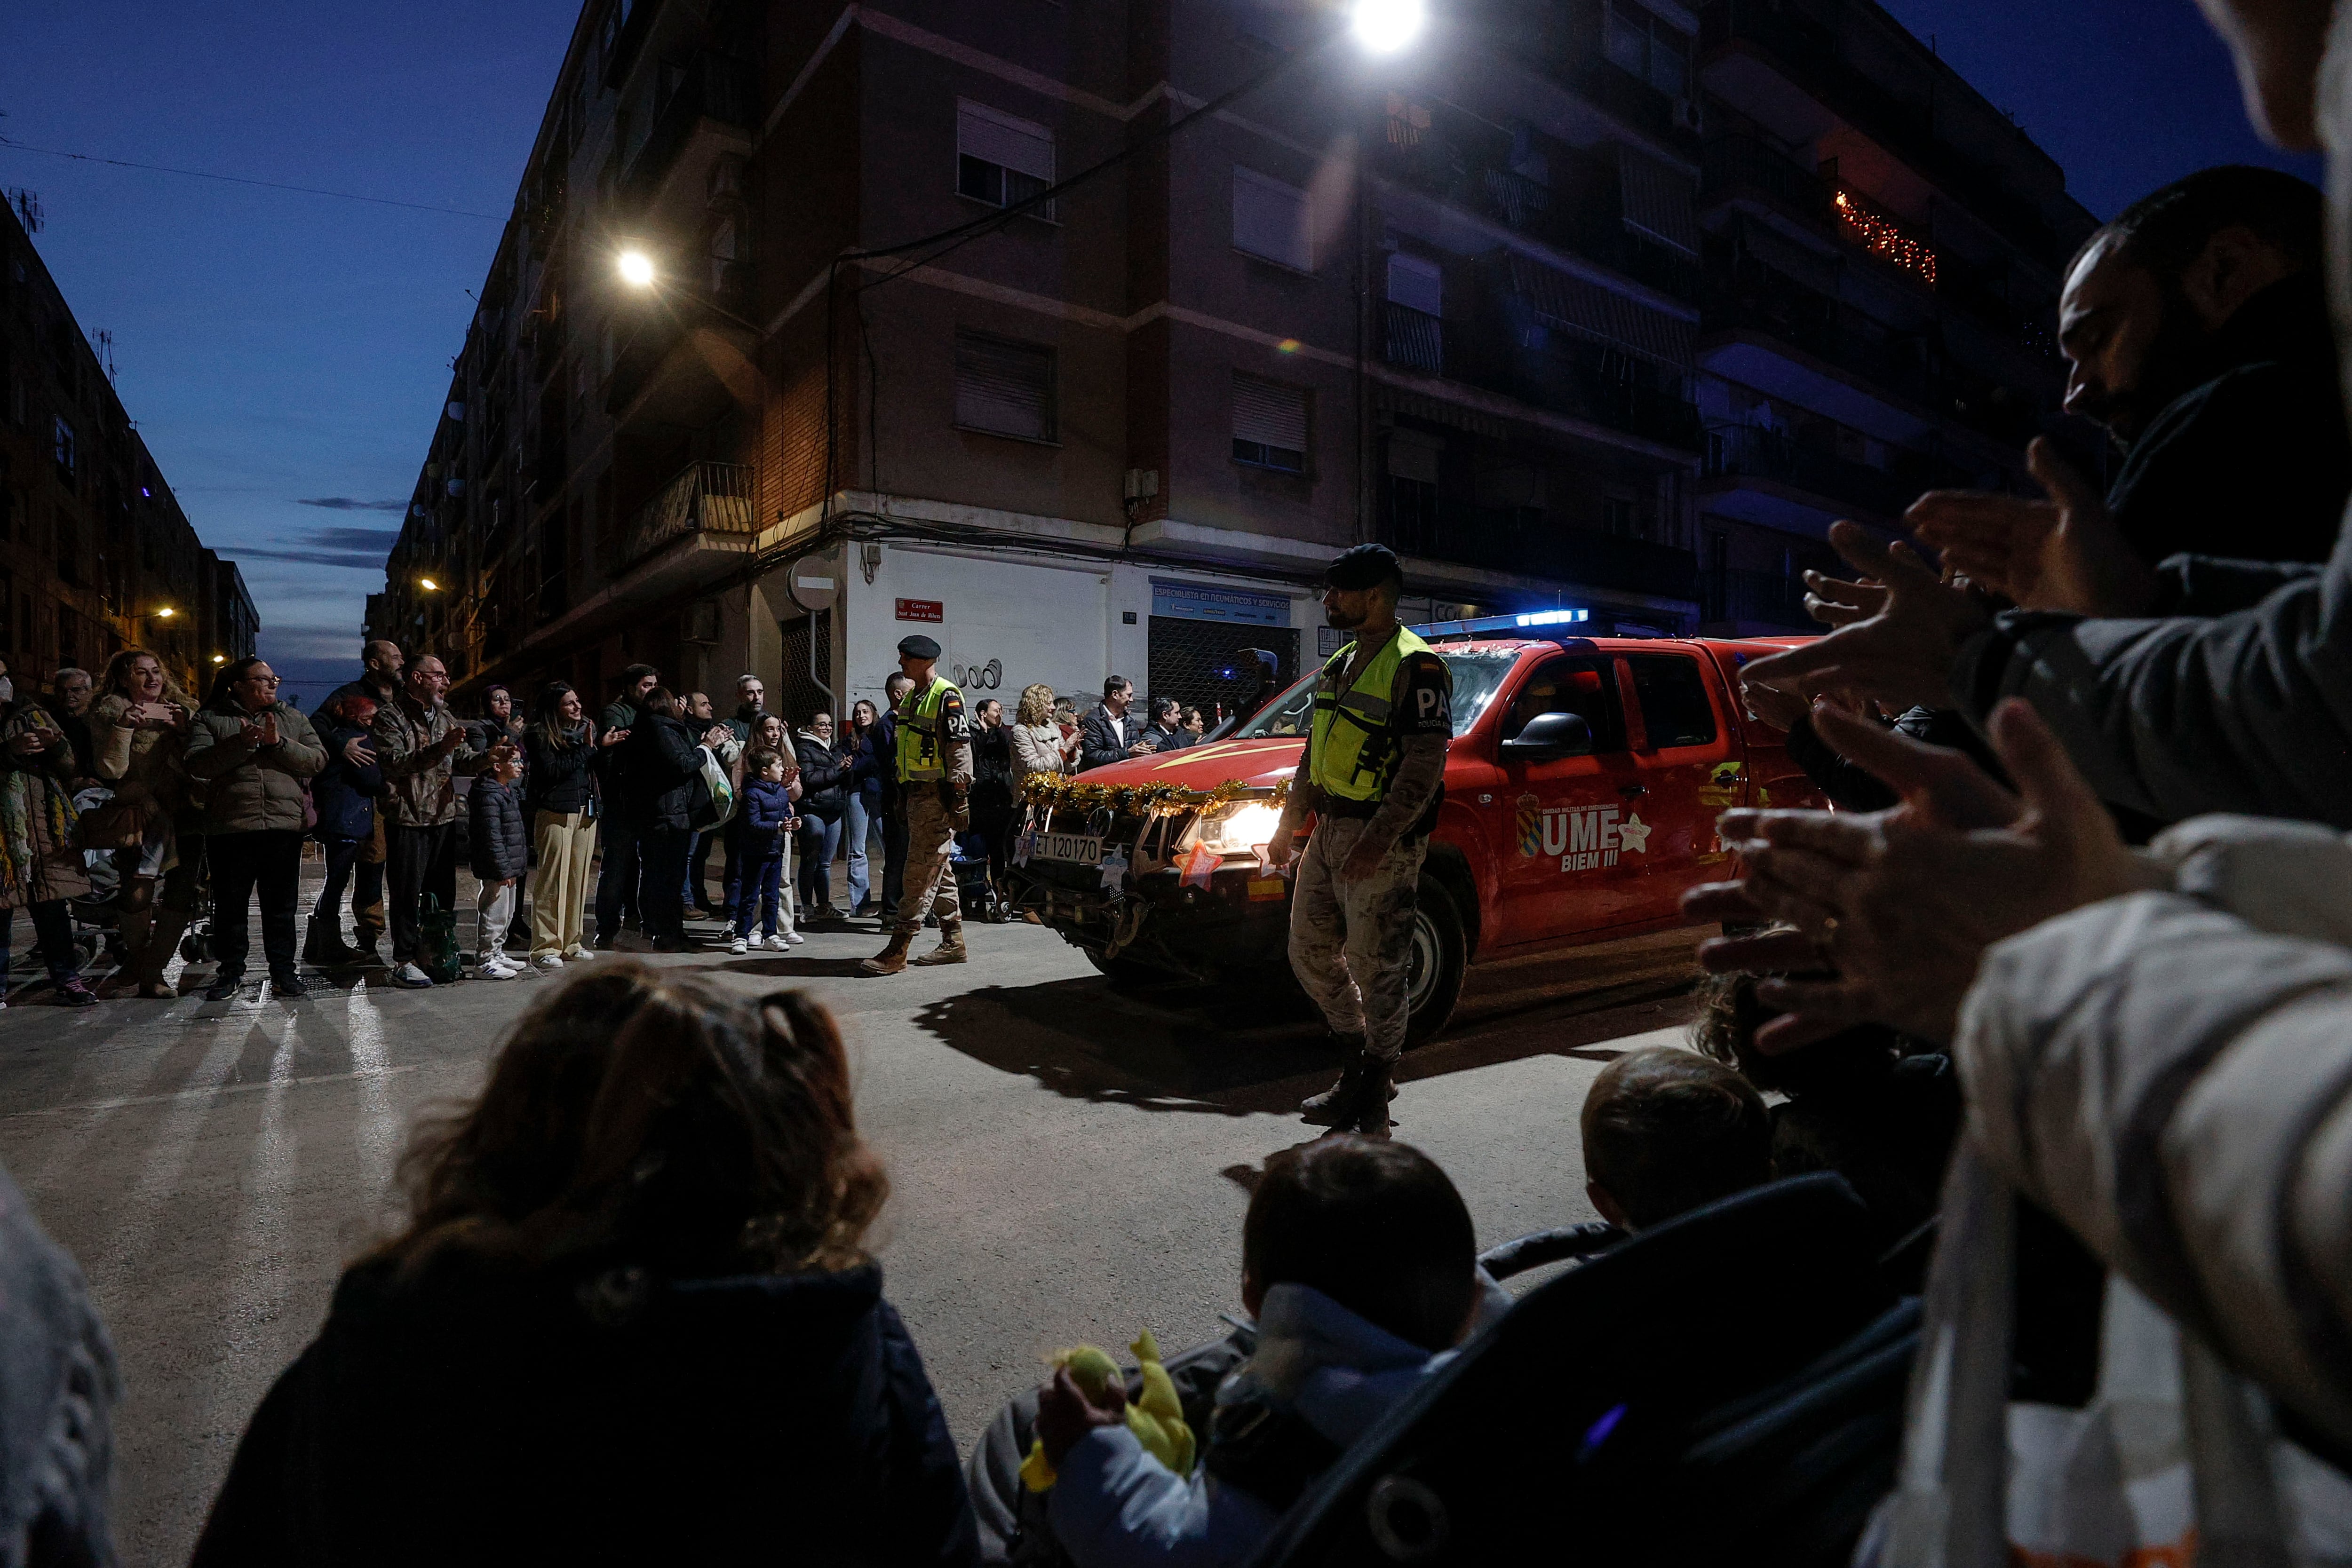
(94, 913)
(976, 896)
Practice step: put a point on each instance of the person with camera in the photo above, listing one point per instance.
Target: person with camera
(256, 756)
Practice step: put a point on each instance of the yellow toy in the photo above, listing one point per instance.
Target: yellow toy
(1156, 1416)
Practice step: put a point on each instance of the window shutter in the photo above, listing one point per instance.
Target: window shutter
(1269, 415)
(1006, 389)
(1416, 284)
(1270, 220)
(1020, 145)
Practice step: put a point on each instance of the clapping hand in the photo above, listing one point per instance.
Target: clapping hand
(718, 735)
(2063, 553)
(613, 737)
(1893, 910)
(1064, 1414)
(30, 743)
(1901, 653)
(358, 753)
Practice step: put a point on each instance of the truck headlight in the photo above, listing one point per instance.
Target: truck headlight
(1237, 828)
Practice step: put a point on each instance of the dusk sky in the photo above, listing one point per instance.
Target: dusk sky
(285, 354)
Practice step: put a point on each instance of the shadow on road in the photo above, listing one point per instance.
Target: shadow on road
(1183, 1047)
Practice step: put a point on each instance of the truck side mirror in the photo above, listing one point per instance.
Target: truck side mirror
(1550, 735)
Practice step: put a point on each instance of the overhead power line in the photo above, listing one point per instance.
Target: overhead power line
(15, 146)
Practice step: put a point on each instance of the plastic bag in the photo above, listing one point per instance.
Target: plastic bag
(436, 942)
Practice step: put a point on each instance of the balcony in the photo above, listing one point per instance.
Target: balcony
(1528, 542)
(1753, 598)
(1809, 54)
(1736, 163)
(1415, 341)
(1756, 297)
(710, 86)
(1735, 451)
(704, 498)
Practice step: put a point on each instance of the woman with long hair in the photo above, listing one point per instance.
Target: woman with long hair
(862, 811)
(139, 741)
(1038, 746)
(560, 802)
(631, 1319)
(40, 868)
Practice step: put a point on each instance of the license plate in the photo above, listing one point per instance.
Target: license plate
(1083, 848)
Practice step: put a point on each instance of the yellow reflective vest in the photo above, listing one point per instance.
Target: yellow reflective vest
(921, 757)
(1353, 752)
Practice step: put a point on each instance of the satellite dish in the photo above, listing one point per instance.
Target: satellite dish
(814, 583)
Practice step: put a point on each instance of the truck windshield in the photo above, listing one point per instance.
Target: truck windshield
(1476, 678)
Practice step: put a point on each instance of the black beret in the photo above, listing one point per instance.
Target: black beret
(1366, 566)
(917, 647)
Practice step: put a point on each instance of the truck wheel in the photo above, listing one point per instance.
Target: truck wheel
(1433, 967)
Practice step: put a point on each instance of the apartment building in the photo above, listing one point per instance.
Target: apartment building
(1484, 299)
(95, 553)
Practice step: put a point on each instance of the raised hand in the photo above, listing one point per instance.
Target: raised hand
(1839, 601)
(2062, 552)
(1900, 654)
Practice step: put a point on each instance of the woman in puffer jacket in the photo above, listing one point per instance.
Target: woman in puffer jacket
(255, 754)
(140, 728)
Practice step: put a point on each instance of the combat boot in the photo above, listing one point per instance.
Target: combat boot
(1369, 1113)
(315, 951)
(891, 960)
(1324, 1110)
(949, 951)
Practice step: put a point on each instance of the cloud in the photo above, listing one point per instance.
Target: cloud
(341, 561)
(349, 550)
(345, 504)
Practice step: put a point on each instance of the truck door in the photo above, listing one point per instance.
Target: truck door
(1556, 836)
(1689, 770)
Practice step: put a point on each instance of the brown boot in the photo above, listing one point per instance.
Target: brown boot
(949, 951)
(891, 960)
(147, 963)
(1328, 1107)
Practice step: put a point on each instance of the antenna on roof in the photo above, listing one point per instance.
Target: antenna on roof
(26, 205)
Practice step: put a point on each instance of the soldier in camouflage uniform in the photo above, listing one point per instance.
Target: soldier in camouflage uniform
(1373, 773)
(932, 764)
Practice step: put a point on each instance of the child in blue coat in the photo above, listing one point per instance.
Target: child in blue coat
(766, 825)
(343, 793)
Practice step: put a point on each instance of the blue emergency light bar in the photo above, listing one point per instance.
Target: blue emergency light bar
(1486, 623)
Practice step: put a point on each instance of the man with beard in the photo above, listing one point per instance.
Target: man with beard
(2195, 328)
(1372, 774)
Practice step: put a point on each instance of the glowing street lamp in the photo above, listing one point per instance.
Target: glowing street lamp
(220, 658)
(428, 585)
(636, 268)
(166, 613)
(1385, 27)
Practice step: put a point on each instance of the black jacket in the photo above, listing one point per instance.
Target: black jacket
(344, 796)
(1852, 786)
(661, 769)
(1103, 740)
(487, 1415)
(991, 770)
(359, 689)
(561, 779)
(2252, 464)
(824, 779)
(494, 831)
(1167, 740)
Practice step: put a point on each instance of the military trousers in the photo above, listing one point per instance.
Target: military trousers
(1350, 942)
(930, 882)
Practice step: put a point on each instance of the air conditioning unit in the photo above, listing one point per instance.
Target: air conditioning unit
(702, 621)
(1685, 113)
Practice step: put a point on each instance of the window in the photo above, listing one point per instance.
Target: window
(1417, 284)
(1001, 160)
(1586, 687)
(1269, 426)
(1270, 220)
(62, 450)
(1672, 695)
(1002, 388)
(1617, 517)
(1641, 46)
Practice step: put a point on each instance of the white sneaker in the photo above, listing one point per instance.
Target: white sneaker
(795, 937)
(739, 946)
(410, 975)
(578, 955)
(548, 961)
(493, 967)
(779, 941)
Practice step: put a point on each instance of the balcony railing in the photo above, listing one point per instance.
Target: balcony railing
(1531, 543)
(1734, 450)
(705, 499)
(1730, 162)
(1416, 340)
(710, 86)
(1756, 596)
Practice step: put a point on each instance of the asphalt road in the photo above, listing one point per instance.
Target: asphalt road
(1068, 1162)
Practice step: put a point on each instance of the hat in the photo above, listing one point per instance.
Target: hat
(1366, 566)
(917, 647)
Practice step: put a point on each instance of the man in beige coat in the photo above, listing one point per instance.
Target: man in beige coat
(256, 756)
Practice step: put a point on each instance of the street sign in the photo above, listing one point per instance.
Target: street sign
(931, 609)
(812, 583)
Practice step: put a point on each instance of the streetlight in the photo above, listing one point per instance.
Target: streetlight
(428, 585)
(220, 658)
(166, 613)
(1385, 27)
(636, 268)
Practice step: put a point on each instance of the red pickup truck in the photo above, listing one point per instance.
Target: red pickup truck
(1582, 790)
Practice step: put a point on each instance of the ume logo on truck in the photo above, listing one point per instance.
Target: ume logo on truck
(1583, 836)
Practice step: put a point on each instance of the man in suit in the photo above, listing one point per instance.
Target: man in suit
(1167, 732)
(1112, 733)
